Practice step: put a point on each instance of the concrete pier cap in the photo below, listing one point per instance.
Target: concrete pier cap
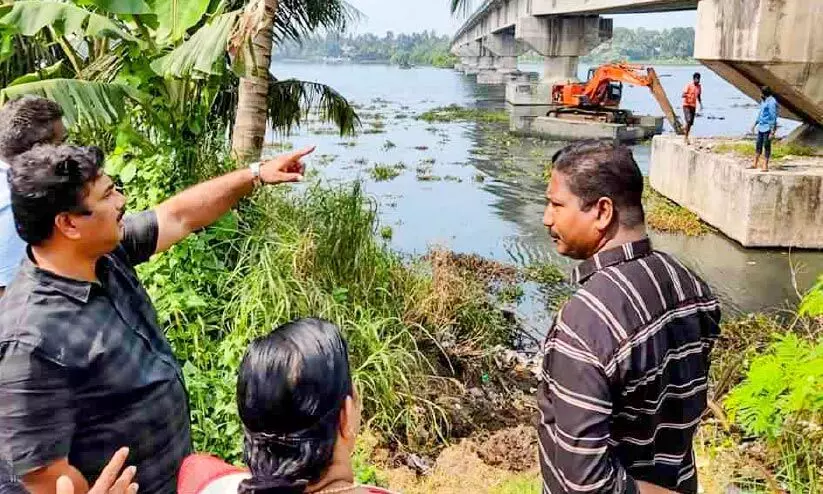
(754, 43)
(562, 40)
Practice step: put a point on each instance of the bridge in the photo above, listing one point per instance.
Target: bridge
(750, 43)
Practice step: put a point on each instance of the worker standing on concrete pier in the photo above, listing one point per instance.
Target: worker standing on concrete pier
(692, 95)
(766, 127)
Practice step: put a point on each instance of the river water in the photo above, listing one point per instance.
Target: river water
(501, 216)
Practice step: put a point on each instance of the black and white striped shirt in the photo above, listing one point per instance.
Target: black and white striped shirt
(625, 375)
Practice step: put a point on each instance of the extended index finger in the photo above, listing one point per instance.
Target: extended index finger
(296, 155)
(112, 470)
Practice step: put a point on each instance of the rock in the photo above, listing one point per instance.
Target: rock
(418, 464)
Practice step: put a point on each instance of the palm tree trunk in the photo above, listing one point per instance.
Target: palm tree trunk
(252, 108)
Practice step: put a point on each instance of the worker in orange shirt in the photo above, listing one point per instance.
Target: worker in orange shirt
(691, 97)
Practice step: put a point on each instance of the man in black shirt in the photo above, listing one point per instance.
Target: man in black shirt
(84, 366)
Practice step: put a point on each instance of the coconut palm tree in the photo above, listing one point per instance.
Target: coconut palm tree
(261, 97)
(175, 61)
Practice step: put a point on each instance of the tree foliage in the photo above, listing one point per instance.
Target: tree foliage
(167, 59)
(425, 48)
(676, 44)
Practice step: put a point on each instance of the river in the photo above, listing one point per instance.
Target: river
(500, 216)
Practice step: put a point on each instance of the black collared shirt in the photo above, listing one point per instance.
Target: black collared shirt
(85, 369)
(625, 375)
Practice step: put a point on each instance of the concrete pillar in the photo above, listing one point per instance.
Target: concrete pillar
(504, 50)
(485, 62)
(506, 64)
(559, 69)
(504, 45)
(563, 39)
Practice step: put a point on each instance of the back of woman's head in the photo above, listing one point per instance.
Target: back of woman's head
(291, 388)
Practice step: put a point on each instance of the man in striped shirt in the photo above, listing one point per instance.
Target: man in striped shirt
(626, 366)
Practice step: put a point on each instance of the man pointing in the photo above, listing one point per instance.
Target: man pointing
(84, 366)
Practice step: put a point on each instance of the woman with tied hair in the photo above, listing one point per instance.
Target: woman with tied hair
(300, 418)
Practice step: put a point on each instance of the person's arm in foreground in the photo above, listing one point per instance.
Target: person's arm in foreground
(203, 204)
(776, 112)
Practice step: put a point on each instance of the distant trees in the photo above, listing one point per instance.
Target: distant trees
(676, 44)
(425, 48)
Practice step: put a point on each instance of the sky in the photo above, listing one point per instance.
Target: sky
(402, 16)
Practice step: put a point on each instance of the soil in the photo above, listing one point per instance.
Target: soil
(459, 469)
(484, 269)
(513, 449)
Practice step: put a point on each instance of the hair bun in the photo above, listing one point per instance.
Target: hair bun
(272, 485)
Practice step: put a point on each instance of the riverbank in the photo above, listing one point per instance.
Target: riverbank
(730, 456)
(442, 353)
(355, 247)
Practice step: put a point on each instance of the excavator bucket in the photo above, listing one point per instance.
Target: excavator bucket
(663, 101)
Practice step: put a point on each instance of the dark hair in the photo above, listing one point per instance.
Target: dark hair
(596, 169)
(47, 181)
(696, 75)
(25, 123)
(766, 91)
(290, 390)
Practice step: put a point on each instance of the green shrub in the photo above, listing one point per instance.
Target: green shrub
(382, 172)
(781, 400)
(812, 303)
(546, 273)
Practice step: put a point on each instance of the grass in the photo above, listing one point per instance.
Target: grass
(454, 113)
(510, 293)
(665, 216)
(284, 256)
(520, 484)
(780, 150)
(546, 273)
(381, 172)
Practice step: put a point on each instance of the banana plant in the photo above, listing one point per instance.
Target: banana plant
(170, 58)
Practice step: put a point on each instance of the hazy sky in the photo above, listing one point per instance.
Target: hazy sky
(402, 16)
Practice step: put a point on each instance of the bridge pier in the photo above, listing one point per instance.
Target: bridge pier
(752, 44)
(562, 41)
(505, 49)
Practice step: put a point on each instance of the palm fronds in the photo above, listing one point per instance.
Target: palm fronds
(291, 100)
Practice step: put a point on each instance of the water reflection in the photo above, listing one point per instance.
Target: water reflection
(501, 217)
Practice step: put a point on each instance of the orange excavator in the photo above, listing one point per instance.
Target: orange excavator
(599, 97)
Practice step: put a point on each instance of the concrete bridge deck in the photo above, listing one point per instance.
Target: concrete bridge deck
(501, 15)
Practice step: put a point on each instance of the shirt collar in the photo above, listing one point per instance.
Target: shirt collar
(76, 289)
(603, 259)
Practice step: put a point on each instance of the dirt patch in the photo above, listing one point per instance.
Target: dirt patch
(513, 449)
(460, 469)
(484, 269)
